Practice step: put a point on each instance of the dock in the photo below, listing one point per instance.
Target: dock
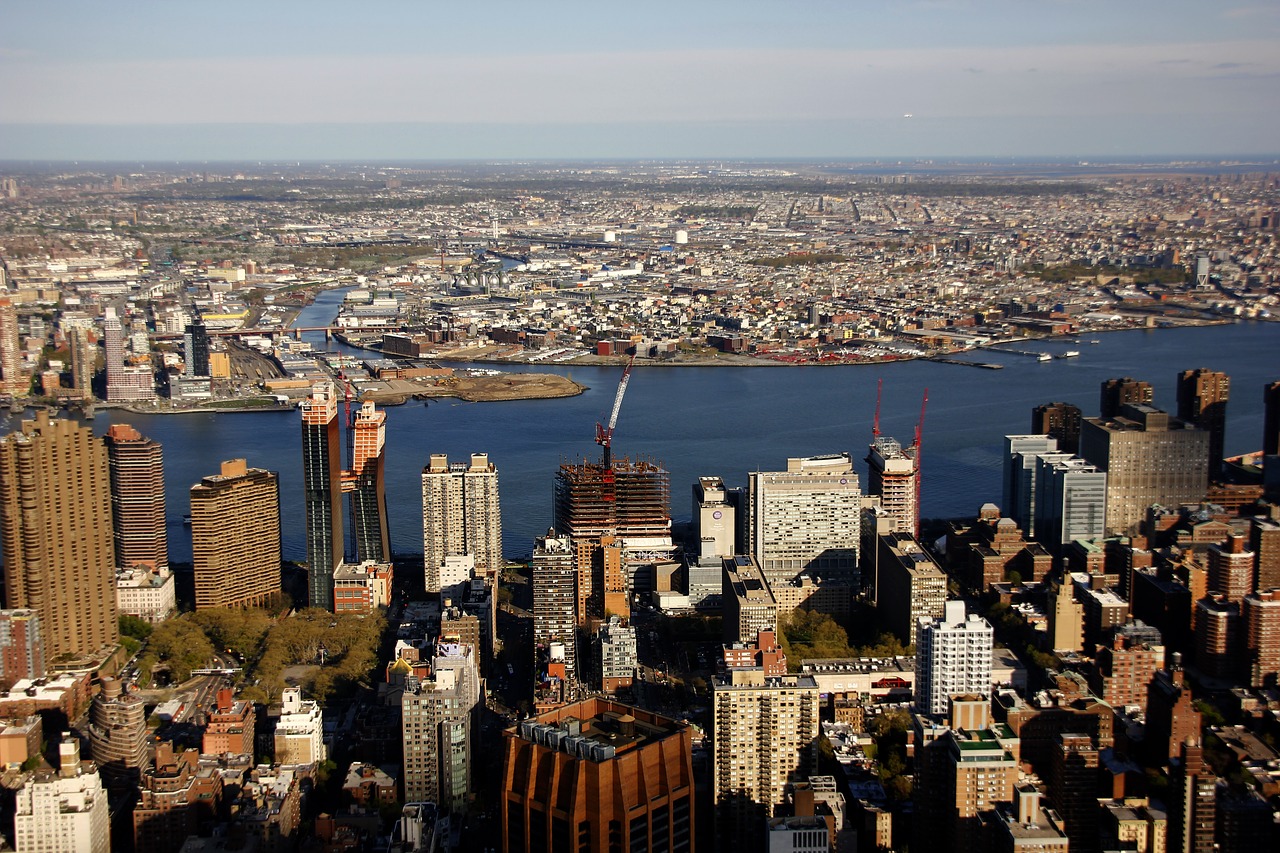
(982, 364)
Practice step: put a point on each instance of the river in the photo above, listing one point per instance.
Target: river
(723, 421)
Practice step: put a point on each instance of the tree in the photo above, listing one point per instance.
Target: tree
(132, 626)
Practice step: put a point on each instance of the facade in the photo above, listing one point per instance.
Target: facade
(195, 340)
(962, 774)
(148, 595)
(953, 657)
(64, 812)
(1073, 783)
(1065, 618)
(765, 733)
(715, 519)
(436, 716)
(322, 491)
(118, 733)
(1217, 637)
(1149, 458)
(1192, 800)
(910, 586)
(1202, 400)
(1027, 827)
(748, 605)
(461, 514)
(137, 498)
(299, 736)
(1059, 421)
(806, 520)
(1264, 542)
(368, 485)
(55, 532)
(1231, 568)
(555, 600)
(1124, 669)
(21, 646)
(894, 477)
(598, 775)
(84, 362)
(616, 654)
(175, 798)
(235, 537)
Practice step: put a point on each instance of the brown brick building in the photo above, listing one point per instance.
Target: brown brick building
(235, 537)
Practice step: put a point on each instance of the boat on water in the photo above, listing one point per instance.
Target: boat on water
(1071, 353)
(1044, 356)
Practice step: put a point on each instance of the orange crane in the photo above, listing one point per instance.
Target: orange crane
(604, 434)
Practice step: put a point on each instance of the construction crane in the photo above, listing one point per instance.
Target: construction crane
(604, 434)
(915, 445)
(875, 425)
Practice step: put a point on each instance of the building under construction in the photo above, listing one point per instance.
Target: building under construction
(617, 514)
(894, 475)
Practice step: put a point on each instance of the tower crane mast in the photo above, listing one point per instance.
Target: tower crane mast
(604, 434)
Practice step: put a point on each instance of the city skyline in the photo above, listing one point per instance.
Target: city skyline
(927, 79)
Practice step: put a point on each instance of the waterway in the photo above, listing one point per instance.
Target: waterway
(723, 421)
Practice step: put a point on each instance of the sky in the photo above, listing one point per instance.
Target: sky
(561, 79)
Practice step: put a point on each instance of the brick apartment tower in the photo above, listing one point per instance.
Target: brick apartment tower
(598, 775)
(1231, 568)
(893, 473)
(1202, 400)
(461, 514)
(137, 498)
(55, 530)
(12, 379)
(1060, 421)
(1118, 392)
(235, 537)
(1261, 616)
(322, 491)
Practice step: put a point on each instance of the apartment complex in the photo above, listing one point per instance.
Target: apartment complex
(461, 514)
(235, 536)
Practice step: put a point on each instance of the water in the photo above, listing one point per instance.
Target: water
(724, 421)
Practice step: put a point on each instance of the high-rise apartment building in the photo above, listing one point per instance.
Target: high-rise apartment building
(953, 658)
(21, 646)
(894, 476)
(66, 811)
(1073, 783)
(1119, 392)
(125, 383)
(55, 531)
(1231, 568)
(235, 536)
(1124, 669)
(1264, 542)
(436, 722)
(555, 599)
(229, 728)
(747, 603)
(806, 520)
(322, 491)
(84, 361)
(615, 648)
(1059, 421)
(368, 488)
(1217, 637)
(598, 775)
(765, 736)
(1202, 400)
(1261, 616)
(911, 585)
(461, 514)
(715, 519)
(299, 734)
(1191, 800)
(12, 380)
(961, 774)
(174, 799)
(1150, 458)
(137, 498)
(118, 734)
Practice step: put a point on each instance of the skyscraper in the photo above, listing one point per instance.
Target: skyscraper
(322, 495)
(1261, 616)
(196, 341)
(894, 475)
(555, 599)
(1202, 400)
(137, 498)
(598, 775)
(461, 514)
(1071, 500)
(235, 537)
(1059, 421)
(910, 585)
(436, 723)
(84, 361)
(765, 734)
(1019, 492)
(806, 520)
(1150, 458)
(1192, 800)
(12, 379)
(55, 529)
(1118, 392)
(125, 383)
(21, 645)
(368, 492)
(118, 734)
(953, 657)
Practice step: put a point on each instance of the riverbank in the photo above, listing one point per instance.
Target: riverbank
(478, 389)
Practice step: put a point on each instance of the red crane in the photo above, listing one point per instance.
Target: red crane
(916, 446)
(875, 425)
(604, 434)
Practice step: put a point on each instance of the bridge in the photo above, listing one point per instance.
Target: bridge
(266, 331)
